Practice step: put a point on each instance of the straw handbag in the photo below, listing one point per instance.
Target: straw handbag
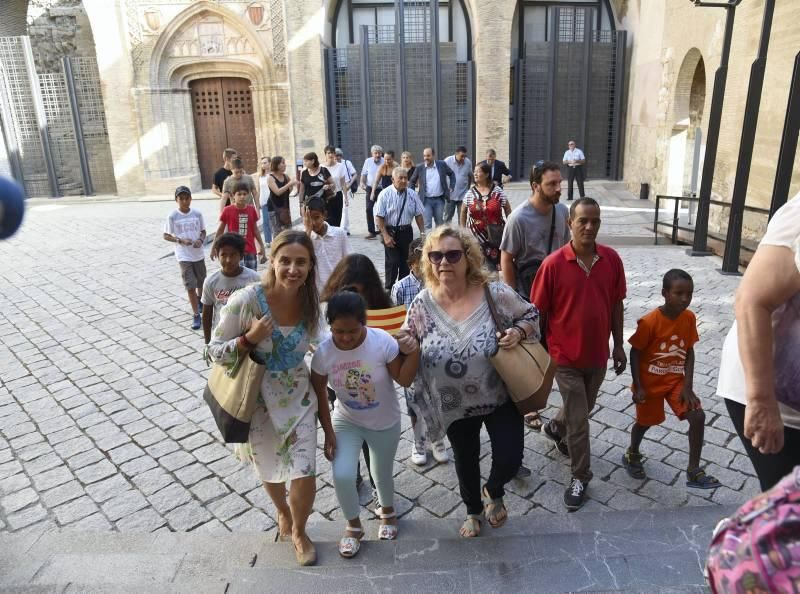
(526, 369)
(232, 393)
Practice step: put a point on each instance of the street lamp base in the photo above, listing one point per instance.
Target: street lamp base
(698, 253)
(726, 273)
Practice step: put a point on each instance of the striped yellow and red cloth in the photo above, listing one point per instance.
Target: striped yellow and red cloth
(390, 319)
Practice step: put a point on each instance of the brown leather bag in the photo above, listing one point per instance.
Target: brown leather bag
(527, 369)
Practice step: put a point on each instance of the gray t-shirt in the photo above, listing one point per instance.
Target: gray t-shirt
(227, 187)
(463, 176)
(218, 287)
(527, 233)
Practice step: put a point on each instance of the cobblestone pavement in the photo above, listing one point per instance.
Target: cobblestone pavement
(102, 425)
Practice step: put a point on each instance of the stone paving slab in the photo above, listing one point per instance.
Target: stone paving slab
(102, 423)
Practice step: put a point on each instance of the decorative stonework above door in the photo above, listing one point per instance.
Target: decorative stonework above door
(209, 36)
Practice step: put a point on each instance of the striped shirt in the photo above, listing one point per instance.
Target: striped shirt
(389, 203)
(404, 290)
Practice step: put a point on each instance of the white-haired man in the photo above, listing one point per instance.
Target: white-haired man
(369, 173)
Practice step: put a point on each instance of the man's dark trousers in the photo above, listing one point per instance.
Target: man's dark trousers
(575, 173)
(370, 214)
(396, 258)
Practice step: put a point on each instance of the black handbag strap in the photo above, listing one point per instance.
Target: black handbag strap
(402, 208)
(552, 231)
(493, 309)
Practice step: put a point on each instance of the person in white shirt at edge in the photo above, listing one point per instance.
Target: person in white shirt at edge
(368, 173)
(351, 178)
(339, 174)
(462, 167)
(574, 159)
(330, 243)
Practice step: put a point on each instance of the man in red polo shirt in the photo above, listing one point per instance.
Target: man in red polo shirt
(579, 290)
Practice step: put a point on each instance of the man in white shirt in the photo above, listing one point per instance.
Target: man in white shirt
(369, 173)
(330, 243)
(574, 159)
(462, 167)
(338, 172)
(351, 178)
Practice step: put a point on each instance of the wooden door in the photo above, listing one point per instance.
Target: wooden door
(223, 117)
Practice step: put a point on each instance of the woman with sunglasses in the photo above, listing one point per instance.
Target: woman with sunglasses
(484, 213)
(458, 390)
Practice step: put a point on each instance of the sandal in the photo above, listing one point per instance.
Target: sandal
(698, 479)
(633, 463)
(386, 531)
(306, 558)
(350, 545)
(492, 507)
(533, 421)
(471, 526)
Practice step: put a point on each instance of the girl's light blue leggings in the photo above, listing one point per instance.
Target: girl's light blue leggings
(382, 448)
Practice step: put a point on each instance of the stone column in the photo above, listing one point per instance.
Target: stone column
(116, 78)
(491, 30)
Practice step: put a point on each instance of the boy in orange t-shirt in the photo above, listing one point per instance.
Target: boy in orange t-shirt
(662, 365)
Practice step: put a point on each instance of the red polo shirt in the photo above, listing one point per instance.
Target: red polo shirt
(578, 306)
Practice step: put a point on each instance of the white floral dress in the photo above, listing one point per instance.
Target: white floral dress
(283, 432)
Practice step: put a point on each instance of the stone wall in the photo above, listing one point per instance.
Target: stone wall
(664, 33)
(58, 29)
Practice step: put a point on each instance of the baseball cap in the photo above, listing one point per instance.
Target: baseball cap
(339, 152)
(182, 190)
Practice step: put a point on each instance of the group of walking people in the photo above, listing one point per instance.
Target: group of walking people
(317, 328)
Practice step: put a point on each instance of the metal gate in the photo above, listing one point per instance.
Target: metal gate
(223, 117)
(387, 90)
(53, 124)
(570, 88)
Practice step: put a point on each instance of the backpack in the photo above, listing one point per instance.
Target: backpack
(757, 549)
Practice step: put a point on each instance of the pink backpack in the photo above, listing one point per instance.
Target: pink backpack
(757, 549)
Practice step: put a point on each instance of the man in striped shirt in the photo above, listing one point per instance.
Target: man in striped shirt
(396, 208)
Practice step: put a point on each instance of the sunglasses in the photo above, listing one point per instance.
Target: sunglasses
(451, 256)
(538, 164)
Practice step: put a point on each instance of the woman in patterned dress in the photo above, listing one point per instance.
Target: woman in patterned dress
(457, 389)
(484, 212)
(283, 432)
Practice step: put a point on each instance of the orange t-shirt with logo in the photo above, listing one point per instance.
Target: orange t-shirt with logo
(663, 344)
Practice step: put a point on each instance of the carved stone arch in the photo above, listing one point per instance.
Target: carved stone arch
(163, 65)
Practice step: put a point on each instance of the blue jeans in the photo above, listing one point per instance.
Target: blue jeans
(434, 210)
(265, 224)
(382, 448)
(452, 207)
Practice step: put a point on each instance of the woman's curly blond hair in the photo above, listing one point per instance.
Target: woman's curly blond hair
(476, 273)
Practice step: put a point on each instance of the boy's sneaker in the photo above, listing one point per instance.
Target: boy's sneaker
(573, 496)
(632, 461)
(549, 431)
(196, 322)
(439, 451)
(418, 455)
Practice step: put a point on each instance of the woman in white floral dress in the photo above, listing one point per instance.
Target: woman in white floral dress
(283, 432)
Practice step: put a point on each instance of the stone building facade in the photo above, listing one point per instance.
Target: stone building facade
(152, 53)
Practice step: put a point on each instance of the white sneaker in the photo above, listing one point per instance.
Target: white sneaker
(418, 457)
(439, 451)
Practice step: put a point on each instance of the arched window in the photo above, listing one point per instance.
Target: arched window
(351, 15)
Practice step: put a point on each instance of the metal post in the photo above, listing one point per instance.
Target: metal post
(436, 77)
(516, 146)
(41, 117)
(329, 60)
(365, 111)
(10, 137)
(472, 107)
(551, 95)
(83, 155)
(619, 92)
(791, 129)
(587, 75)
(733, 241)
(402, 81)
(700, 241)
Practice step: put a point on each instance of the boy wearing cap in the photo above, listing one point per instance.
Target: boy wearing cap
(185, 228)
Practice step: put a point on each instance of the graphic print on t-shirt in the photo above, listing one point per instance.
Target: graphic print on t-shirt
(243, 219)
(670, 358)
(356, 379)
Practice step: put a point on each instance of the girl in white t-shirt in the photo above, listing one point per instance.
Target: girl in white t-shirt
(361, 364)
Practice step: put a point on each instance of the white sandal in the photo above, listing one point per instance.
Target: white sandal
(386, 531)
(350, 545)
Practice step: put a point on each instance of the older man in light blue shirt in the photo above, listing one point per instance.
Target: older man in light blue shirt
(462, 167)
(368, 174)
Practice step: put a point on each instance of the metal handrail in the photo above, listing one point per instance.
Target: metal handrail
(675, 224)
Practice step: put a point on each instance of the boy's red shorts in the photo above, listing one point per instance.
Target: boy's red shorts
(651, 411)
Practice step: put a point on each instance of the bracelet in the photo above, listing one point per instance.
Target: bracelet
(522, 334)
(243, 342)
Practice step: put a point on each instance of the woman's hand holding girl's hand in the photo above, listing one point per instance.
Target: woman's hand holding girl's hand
(260, 329)
(407, 343)
(330, 445)
(510, 338)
